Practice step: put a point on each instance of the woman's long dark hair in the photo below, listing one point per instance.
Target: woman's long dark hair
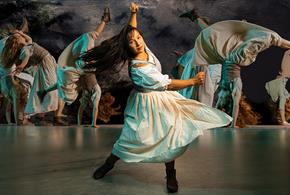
(111, 54)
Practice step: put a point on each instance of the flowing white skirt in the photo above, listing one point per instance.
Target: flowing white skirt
(68, 83)
(159, 126)
(44, 77)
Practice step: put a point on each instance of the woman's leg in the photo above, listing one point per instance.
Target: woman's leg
(7, 105)
(57, 119)
(236, 95)
(194, 17)
(235, 112)
(42, 93)
(95, 113)
(60, 107)
(15, 110)
(106, 167)
(80, 114)
(171, 183)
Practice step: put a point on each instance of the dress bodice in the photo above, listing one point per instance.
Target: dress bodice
(148, 77)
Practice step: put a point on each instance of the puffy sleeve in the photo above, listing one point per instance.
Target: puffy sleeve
(256, 40)
(148, 77)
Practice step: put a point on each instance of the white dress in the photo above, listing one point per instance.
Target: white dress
(277, 91)
(70, 68)
(45, 77)
(203, 93)
(159, 125)
(6, 86)
(233, 42)
(277, 87)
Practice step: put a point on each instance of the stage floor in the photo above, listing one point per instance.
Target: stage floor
(60, 160)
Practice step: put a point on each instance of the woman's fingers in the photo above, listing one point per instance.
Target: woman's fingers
(200, 77)
(134, 7)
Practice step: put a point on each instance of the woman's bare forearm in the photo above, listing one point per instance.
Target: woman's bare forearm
(180, 84)
(133, 17)
(100, 28)
(133, 20)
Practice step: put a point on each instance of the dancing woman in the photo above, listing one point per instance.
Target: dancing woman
(159, 123)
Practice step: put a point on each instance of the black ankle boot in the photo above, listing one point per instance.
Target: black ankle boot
(171, 183)
(192, 15)
(103, 170)
(41, 94)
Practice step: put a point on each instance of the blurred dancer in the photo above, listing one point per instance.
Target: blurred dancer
(233, 44)
(71, 74)
(277, 87)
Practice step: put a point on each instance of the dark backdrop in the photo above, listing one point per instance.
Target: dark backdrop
(54, 24)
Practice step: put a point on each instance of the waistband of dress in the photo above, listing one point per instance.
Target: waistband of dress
(142, 90)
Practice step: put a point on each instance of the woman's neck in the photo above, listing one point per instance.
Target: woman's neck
(142, 56)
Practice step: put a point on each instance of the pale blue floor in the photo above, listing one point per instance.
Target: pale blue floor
(60, 160)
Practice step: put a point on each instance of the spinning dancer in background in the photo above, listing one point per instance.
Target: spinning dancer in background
(33, 54)
(277, 87)
(233, 44)
(14, 87)
(203, 93)
(72, 76)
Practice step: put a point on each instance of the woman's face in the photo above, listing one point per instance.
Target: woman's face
(136, 42)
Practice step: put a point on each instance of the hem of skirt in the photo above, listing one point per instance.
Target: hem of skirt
(152, 159)
(62, 96)
(133, 159)
(37, 112)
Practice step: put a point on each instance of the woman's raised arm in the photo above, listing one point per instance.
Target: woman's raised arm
(133, 18)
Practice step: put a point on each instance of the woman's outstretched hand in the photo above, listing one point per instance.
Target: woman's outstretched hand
(134, 7)
(19, 69)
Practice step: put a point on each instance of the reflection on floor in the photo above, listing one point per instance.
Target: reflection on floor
(60, 160)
